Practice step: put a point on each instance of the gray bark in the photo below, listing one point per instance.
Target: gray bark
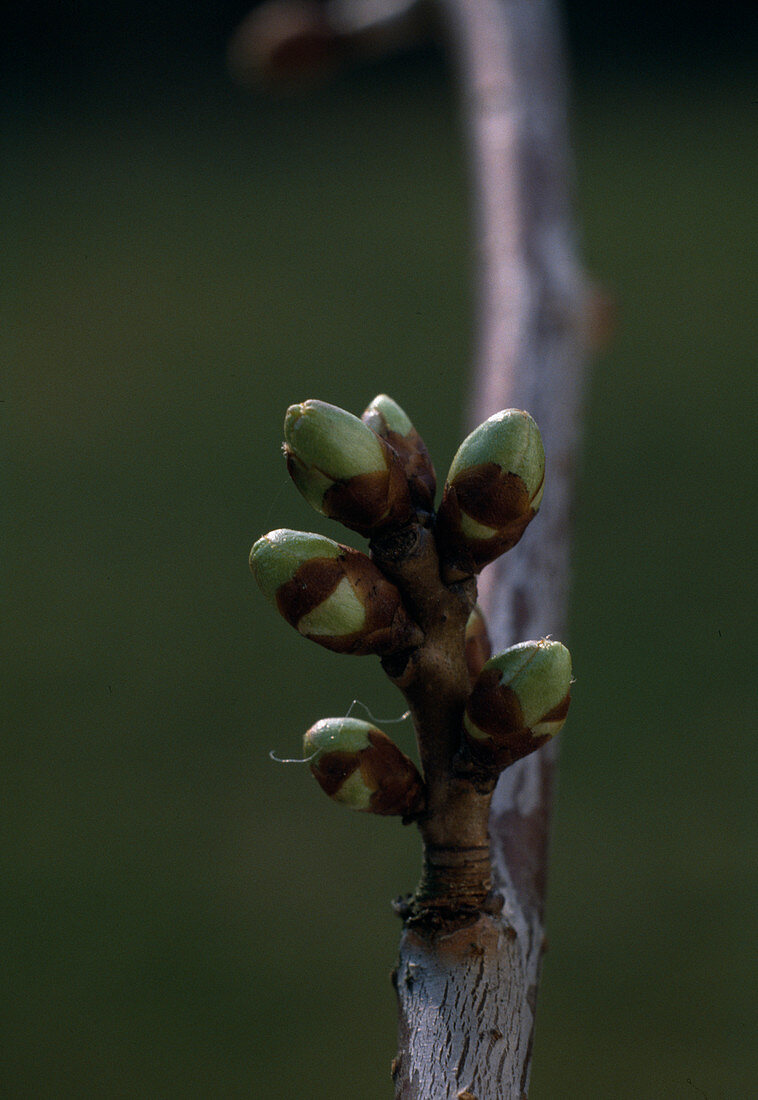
(467, 1000)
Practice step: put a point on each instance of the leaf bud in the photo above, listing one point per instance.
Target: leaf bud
(332, 594)
(385, 417)
(478, 647)
(343, 469)
(519, 701)
(361, 767)
(493, 489)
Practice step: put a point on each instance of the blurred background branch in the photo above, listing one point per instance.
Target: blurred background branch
(285, 42)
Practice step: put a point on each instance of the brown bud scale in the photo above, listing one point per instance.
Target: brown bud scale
(417, 466)
(387, 627)
(559, 713)
(311, 584)
(331, 769)
(492, 497)
(494, 708)
(398, 789)
(367, 503)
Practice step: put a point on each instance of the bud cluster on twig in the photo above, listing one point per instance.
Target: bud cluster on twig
(412, 602)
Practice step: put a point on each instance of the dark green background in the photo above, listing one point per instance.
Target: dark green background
(182, 916)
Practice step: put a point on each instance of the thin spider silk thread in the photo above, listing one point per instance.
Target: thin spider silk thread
(373, 717)
(355, 703)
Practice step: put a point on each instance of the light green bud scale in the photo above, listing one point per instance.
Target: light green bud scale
(511, 440)
(396, 419)
(276, 557)
(327, 444)
(539, 673)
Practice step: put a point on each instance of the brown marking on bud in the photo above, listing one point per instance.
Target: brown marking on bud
(414, 458)
(557, 714)
(367, 503)
(312, 583)
(417, 466)
(518, 746)
(494, 708)
(387, 627)
(331, 769)
(492, 497)
(398, 787)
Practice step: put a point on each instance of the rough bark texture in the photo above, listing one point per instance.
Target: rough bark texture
(467, 999)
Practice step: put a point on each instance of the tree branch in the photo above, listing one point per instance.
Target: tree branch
(472, 943)
(467, 1000)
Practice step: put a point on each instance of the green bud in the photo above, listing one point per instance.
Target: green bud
(343, 469)
(358, 765)
(332, 594)
(385, 417)
(493, 489)
(519, 701)
(477, 643)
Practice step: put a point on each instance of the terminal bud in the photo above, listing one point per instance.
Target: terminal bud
(343, 469)
(358, 765)
(519, 701)
(493, 489)
(332, 594)
(385, 417)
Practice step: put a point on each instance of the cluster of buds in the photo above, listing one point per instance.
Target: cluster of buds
(374, 475)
